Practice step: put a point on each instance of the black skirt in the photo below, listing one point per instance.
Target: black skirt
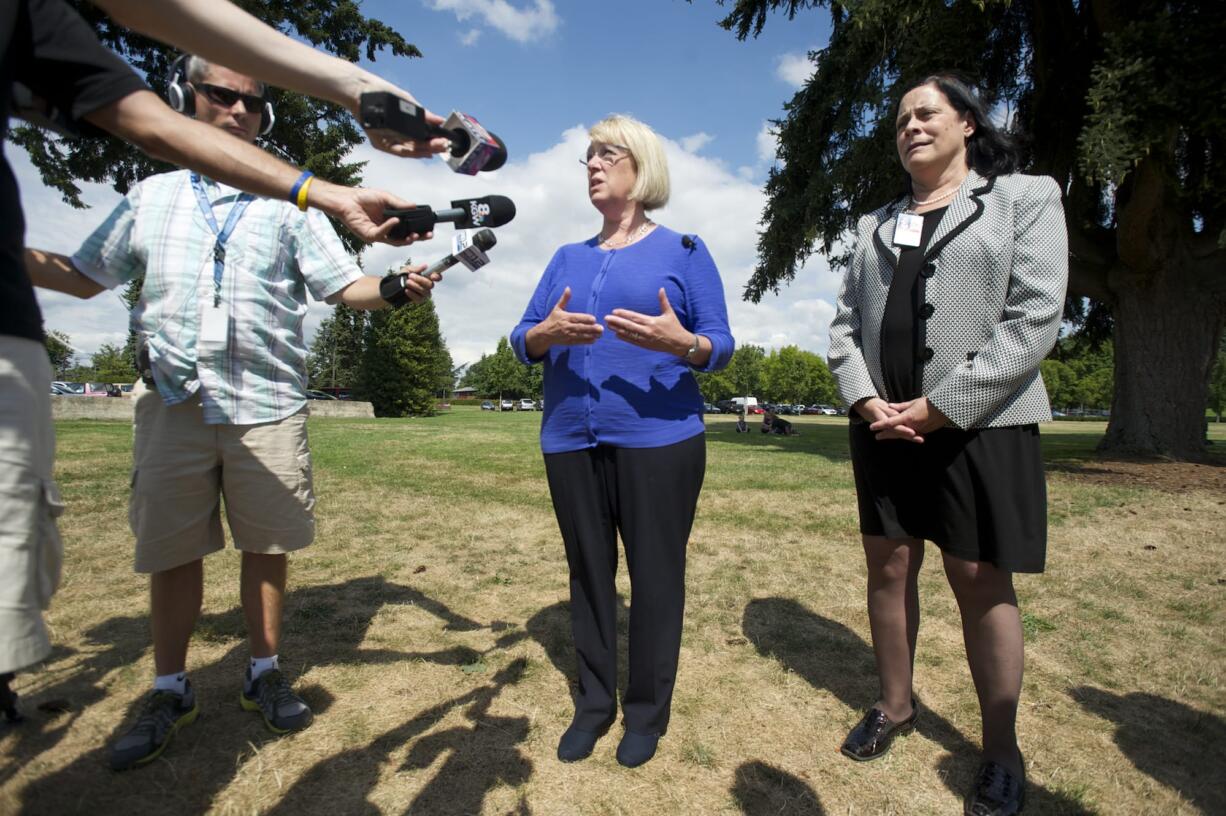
(979, 495)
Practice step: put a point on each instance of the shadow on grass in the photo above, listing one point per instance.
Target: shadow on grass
(1177, 745)
(479, 758)
(323, 625)
(762, 789)
(61, 695)
(551, 628)
(830, 656)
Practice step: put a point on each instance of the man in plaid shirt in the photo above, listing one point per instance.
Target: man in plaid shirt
(226, 277)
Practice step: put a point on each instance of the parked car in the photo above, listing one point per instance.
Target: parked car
(507, 405)
(824, 410)
(525, 404)
(487, 406)
(59, 389)
(756, 409)
(708, 408)
(336, 391)
(318, 395)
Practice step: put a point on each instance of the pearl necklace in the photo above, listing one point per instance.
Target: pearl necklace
(631, 237)
(950, 194)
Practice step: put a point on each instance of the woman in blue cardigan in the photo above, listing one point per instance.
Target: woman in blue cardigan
(620, 322)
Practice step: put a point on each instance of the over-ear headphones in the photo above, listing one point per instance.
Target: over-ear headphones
(181, 96)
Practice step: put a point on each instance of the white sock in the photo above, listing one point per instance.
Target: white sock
(171, 682)
(259, 665)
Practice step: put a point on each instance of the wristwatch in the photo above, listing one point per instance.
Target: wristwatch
(693, 349)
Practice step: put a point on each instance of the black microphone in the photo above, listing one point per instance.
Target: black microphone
(465, 213)
(466, 248)
(473, 148)
(687, 242)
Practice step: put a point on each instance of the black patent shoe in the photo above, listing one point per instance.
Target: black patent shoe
(872, 736)
(997, 792)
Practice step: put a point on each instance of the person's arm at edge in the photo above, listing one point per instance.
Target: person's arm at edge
(364, 293)
(146, 121)
(709, 314)
(225, 34)
(50, 270)
(845, 355)
(526, 339)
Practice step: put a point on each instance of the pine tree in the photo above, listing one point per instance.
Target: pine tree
(336, 353)
(404, 360)
(1124, 104)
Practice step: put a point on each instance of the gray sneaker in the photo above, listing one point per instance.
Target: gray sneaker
(270, 694)
(163, 713)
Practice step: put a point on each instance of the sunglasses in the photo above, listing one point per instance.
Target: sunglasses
(226, 97)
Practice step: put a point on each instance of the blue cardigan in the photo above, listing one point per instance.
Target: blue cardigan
(612, 392)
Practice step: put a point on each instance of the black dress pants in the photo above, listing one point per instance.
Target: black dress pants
(648, 495)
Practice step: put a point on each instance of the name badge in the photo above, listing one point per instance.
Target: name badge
(908, 229)
(214, 325)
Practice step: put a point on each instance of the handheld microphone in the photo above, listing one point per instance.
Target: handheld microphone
(465, 213)
(467, 248)
(473, 148)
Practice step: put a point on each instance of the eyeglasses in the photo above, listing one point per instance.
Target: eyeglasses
(606, 155)
(226, 97)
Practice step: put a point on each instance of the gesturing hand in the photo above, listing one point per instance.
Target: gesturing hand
(662, 332)
(911, 420)
(565, 328)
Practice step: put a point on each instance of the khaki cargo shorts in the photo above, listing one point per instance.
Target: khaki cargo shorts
(182, 468)
(30, 550)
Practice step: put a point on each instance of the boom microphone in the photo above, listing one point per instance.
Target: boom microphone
(465, 213)
(473, 148)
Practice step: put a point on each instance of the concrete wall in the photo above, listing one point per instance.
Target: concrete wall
(122, 408)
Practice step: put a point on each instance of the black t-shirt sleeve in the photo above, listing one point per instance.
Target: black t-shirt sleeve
(65, 64)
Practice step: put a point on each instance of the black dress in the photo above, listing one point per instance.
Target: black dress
(978, 494)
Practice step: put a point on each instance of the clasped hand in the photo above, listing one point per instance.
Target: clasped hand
(910, 420)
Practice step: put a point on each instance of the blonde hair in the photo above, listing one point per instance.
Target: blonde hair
(651, 186)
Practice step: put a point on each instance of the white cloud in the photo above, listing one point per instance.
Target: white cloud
(768, 143)
(720, 204)
(532, 22)
(470, 37)
(696, 142)
(794, 69)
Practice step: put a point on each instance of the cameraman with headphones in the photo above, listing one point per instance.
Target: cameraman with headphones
(226, 277)
(46, 46)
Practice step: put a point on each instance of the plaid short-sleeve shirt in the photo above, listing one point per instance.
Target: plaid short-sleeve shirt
(274, 258)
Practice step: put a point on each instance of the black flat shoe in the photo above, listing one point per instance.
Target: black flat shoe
(577, 744)
(996, 792)
(872, 736)
(635, 748)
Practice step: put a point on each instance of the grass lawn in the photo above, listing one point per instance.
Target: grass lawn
(429, 631)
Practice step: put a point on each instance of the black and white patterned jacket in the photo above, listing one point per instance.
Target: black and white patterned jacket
(992, 293)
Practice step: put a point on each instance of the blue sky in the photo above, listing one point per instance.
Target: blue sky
(538, 73)
(532, 75)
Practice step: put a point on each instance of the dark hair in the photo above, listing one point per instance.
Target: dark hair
(990, 151)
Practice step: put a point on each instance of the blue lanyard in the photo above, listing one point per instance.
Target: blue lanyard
(223, 235)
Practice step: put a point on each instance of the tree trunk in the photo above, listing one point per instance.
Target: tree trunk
(1166, 333)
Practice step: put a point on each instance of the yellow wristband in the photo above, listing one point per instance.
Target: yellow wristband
(302, 193)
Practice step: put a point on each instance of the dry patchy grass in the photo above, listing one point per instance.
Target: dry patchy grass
(429, 630)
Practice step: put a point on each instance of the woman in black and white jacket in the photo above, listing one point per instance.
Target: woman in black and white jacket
(953, 298)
